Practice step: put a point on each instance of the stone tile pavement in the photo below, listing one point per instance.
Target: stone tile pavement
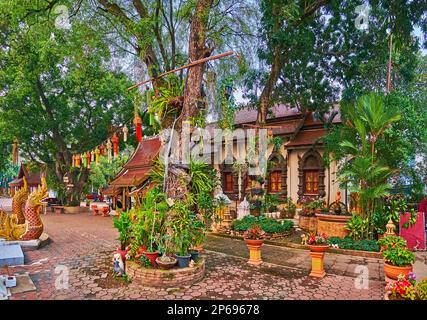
(82, 246)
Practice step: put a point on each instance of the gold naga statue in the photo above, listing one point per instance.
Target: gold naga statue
(24, 223)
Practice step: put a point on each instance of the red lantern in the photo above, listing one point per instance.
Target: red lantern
(137, 121)
(102, 150)
(88, 159)
(115, 141)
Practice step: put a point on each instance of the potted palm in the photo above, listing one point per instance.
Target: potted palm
(123, 225)
(398, 259)
(254, 239)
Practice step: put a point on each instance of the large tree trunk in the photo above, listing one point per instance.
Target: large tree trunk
(197, 49)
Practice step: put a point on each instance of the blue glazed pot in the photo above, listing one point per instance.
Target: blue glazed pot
(183, 261)
(194, 254)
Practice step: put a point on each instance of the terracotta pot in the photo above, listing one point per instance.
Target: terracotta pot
(318, 248)
(152, 256)
(166, 265)
(393, 271)
(105, 211)
(72, 209)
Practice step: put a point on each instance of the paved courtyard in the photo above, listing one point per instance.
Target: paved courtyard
(82, 246)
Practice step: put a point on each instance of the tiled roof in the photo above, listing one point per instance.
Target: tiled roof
(136, 170)
(131, 177)
(33, 178)
(247, 115)
(307, 138)
(145, 153)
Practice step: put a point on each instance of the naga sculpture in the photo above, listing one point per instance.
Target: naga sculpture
(12, 226)
(32, 226)
(36, 200)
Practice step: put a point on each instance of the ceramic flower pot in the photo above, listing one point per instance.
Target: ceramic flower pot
(318, 248)
(393, 271)
(152, 256)
(166, 264)
(194, 254)
(254, 246)
(183, 261)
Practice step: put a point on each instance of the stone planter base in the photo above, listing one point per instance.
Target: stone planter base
(332, 225)
(307, 223)
(317, 269)
(175, 277)
(75, 209)
(254, 247)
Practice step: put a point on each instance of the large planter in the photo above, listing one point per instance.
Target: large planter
(307, 223)
(393, 271)
(58, 209)
(332, 225)
(72, 209)
(183, 261)
(152, 256)
(254, 247)
(317, 253)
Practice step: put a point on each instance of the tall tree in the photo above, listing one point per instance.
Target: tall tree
(57, 96)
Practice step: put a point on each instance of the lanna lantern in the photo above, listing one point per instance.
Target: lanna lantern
(92, 156)
(102, 150)
(84, 160)
(109, 147)
(115, 141)
(97, 152)
(137, 121)
(77, 158)
(125, 133)
(73, 161)
(88, 159)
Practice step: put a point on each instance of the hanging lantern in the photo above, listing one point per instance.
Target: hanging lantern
(109, 147)
(115, 141)
(137, 121)
(92, 156)
(125, 133)
(73, 164)
(77, 161)
(102, 150)
(84, 160)
(88, 159)
(15, 152)
(97, 152)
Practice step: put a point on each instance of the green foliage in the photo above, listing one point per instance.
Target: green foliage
(123, 224)
(203, 178)
(357, 227)
(268, 225)
(379, 221)
(270, 203)
(350, 244)
(421, 289)
(395, 251)
(181, 223)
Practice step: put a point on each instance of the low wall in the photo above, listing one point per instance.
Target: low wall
(176, 277)
(307, 223)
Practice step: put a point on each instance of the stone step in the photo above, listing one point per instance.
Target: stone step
(11, 255)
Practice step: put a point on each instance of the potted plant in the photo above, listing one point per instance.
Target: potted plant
(402, 289)
(123, 225)
(288, 208)
(317, 244)
(73, 206)
(398, 259)
(166, 261)
(254, 239)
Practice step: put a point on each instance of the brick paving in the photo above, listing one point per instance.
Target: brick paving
(84, 244)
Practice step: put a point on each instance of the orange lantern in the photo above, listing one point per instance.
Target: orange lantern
(88, 159)
(97, 152)
(115, 141)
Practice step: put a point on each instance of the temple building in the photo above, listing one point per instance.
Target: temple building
(32, 176)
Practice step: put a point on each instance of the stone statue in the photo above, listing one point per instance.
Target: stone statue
(243, 209)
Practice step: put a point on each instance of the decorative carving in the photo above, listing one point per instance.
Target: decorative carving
(278, 163)
(311, 160)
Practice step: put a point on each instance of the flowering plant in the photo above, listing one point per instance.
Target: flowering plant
(403, 288)
(313, 239)
(254, 233)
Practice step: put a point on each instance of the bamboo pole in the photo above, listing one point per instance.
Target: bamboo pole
(192, 64)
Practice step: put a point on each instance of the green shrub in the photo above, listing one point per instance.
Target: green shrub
(350, 244)
(421, 289)
(267, 224)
